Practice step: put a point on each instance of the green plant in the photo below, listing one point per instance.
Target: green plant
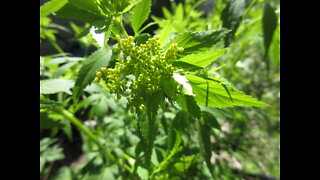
(172, 95)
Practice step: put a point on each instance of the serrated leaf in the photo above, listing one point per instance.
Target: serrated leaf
(198, 41)
(210, 120)
(140, 14)
(231, 17)
(165, 162)
(269, 25)
(51, 7)
(217, 95)
(130, 6)
(87, 5)
(202, 59)
(148, 129)
(205, 144)
(87, 73)
(52, 86)
(70, 11)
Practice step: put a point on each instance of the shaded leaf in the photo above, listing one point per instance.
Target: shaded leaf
(184, 163)
(205, 144)
(48, 123)
(231, 17)
(87, 73)
(142, 38)
(269, 25)
(210, 120)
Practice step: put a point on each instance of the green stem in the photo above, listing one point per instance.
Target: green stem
(85, 130)
(119, 23)
(144, 28)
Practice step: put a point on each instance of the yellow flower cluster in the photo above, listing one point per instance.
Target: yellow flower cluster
(148, 65)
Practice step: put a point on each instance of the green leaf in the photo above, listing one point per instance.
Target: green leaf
(142, 173)
(214, 94)
(87, 5)
(165, 162)
(186, 87)
(179, 123)
(169, 87)
(51, 7)
(198, 41)
(188, 104)
(46, 103)
(205, 144)
(62, 69)
(165, 32)
(148, 129)
(142, 38)
(49, 150)
(64, 173)
(100, 31)
(210, 120)
(231, 17)
(87, 73)
(52, 86)
(184, 163)
(140, 14)
(202, 59)
(269, 24)
(48, 123)
(70, 11)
